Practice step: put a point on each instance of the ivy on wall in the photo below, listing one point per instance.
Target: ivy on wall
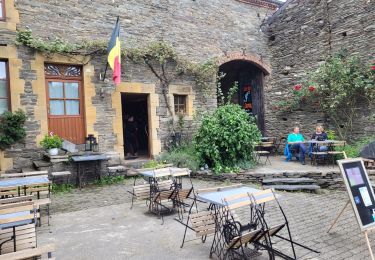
(159, 57)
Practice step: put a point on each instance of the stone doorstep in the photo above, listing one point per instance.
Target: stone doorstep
(118, 168)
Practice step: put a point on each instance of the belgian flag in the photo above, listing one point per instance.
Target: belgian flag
(114, 53)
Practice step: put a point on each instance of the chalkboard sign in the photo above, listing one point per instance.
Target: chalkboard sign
(360, 191)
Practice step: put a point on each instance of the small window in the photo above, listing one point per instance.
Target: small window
(4, 87)
(180, 104)
(2, 10)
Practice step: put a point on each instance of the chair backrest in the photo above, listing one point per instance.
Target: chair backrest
(237, 201)
(162, 172)
(183, 193)
(178, 172)
(142, 191)
(165, 185)
(164, 195)
(263, 196)
(266, 144)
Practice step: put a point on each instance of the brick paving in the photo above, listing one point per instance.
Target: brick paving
(309, 215)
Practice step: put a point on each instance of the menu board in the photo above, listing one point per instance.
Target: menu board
(360, 191)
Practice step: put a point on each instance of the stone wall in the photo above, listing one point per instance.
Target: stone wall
(300, 36)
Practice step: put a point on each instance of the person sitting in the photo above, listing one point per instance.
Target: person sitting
(296, 141)
(320, 135)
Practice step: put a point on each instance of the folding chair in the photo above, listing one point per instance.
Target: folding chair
(140, 192)
(317, 154)
(263, 149)
(237, 236)
(258, 199)
(159, 198)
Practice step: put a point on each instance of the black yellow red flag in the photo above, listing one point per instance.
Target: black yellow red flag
(114, 53)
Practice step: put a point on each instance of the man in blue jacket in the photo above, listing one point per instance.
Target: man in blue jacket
(296, 141)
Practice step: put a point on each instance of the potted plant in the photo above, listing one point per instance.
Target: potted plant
(52, 143)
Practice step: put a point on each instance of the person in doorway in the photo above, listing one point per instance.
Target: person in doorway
(131, 142)
(320, 135)
(296, 142)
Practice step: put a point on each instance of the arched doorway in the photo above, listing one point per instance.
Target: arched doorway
(250, 87)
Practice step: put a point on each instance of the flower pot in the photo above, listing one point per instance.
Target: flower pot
(53, 151)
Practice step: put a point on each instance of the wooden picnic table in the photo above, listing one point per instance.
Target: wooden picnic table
(12, 182)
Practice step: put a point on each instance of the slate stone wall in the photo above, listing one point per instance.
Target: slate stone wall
(300, 36)
(197, 30)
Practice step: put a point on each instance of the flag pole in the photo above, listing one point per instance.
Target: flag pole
(106, 65)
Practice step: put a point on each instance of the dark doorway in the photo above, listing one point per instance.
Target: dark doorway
(250, 87)
(136, 133)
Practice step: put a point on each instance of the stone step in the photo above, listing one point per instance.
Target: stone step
(41, 164)
(292, 187)
(289, 180)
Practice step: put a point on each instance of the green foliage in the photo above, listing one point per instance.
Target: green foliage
(109, 180)
(337, 88)
(61, 188)
(226, 137)
(58, 45)
(155, 164)
(331, 134)
(183, 156)
(159, 51)
(353, 150)
(51, 141)
(11, 128)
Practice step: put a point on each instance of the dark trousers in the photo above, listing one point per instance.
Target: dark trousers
(300, 149)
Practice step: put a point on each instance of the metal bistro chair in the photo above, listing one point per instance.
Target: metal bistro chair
(238, 236)
(182, 195)
(263, 149)
(336, 149)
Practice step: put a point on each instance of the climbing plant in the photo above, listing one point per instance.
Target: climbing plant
(338, 88)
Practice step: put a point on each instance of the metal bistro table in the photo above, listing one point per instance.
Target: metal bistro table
(81, 160)
(216, 200)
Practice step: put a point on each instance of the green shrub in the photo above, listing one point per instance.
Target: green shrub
(11, 128)
(154, 164)
(331, 134)
(57, 188)
(108, 180)
(226, 137)
(353, 150)
(51, 141)
(184, 156)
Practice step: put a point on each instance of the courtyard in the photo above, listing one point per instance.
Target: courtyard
(97, 223)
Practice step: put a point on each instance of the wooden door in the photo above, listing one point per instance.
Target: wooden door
(65, 103)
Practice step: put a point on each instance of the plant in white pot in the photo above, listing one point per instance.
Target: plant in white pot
(52, 143)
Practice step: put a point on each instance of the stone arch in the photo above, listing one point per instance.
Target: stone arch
(236, 55)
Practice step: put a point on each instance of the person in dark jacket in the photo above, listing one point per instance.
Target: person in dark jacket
(320, 135)
(131, 142)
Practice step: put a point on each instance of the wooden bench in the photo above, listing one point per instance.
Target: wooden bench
(42, 191)
(23, 174)
(31, 253)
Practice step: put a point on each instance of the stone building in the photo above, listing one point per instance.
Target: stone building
(66, 94)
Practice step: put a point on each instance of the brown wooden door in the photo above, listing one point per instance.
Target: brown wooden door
(65, 108)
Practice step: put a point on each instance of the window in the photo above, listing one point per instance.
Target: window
(64, 98)
(4, 87)
(180, 104)
(2, 10)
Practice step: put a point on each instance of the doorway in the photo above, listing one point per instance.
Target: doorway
(250, 87)
(135, 125)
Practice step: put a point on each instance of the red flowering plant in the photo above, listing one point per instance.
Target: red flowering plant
(338, 88)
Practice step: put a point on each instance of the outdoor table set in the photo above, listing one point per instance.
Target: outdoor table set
(20, 201)
(163, 187)
(233, 238)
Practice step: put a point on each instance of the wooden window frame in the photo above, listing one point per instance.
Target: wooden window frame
(7, 79)
(178, 105)
(3, 13)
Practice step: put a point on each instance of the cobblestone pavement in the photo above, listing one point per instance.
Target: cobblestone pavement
(137, 235)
